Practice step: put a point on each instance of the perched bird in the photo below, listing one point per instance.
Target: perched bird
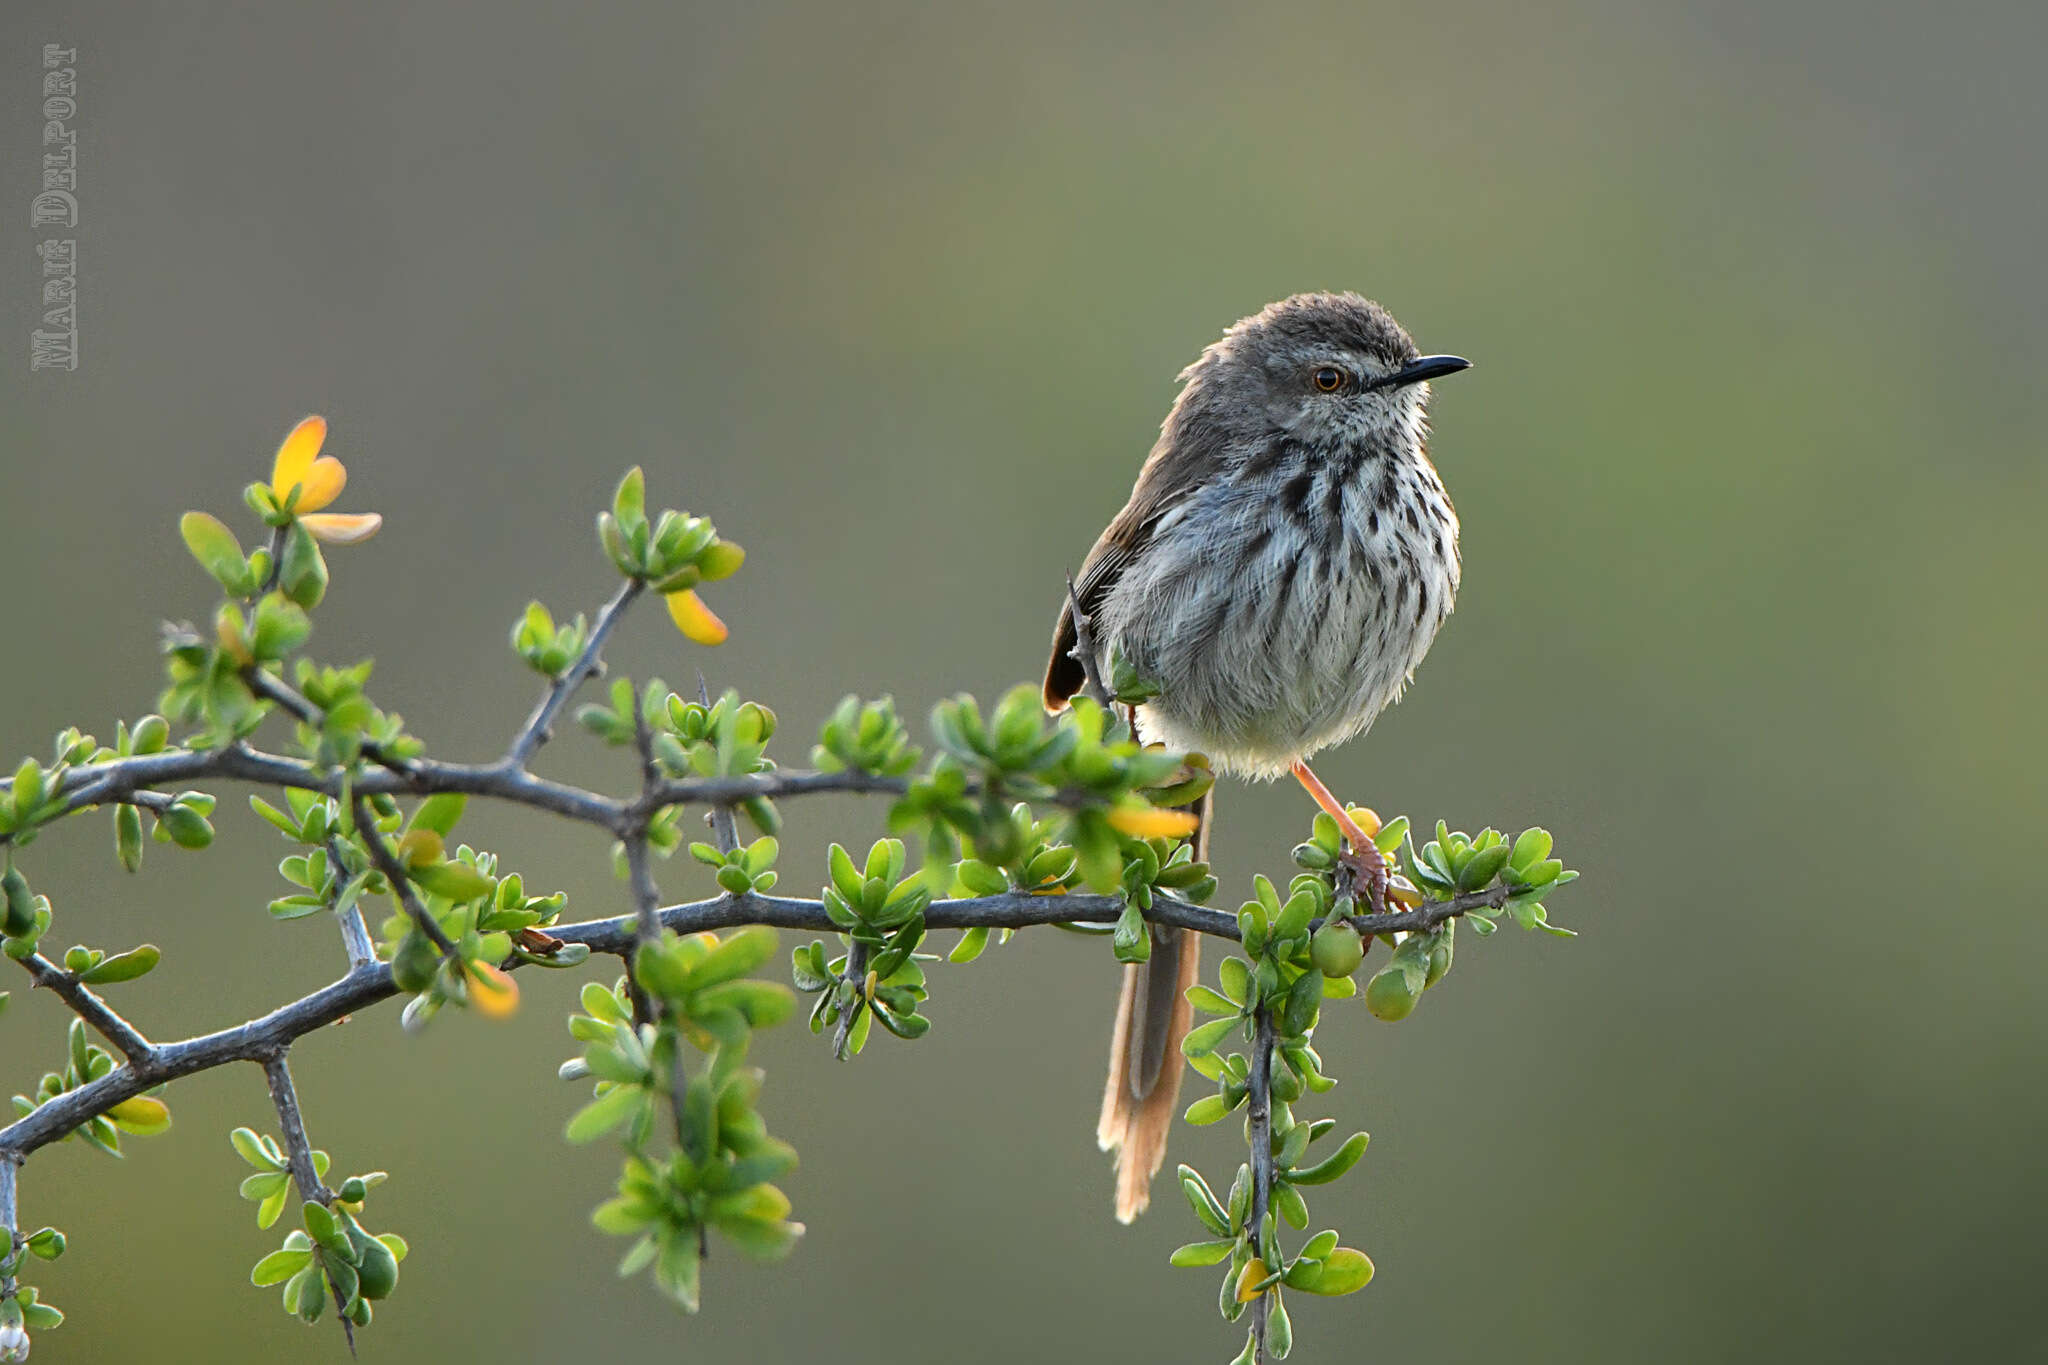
(1283, 563)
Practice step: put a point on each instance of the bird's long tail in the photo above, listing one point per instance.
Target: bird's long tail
(1145, 1066)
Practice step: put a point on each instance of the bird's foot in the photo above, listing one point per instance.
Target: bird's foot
(1362, 866)
(1366, 869)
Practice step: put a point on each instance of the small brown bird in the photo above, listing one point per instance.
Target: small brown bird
(1279, 571)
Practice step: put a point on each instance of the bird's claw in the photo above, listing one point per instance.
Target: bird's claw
(1367, 867)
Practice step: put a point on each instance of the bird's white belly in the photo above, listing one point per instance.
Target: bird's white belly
(1268, 646)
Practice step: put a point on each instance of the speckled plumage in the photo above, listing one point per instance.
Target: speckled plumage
(1287, 555)
(1281, 567)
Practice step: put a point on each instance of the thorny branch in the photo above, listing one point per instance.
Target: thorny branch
(267, 1040)
(539, 727)
(368, 984)
(298, 1150)
(10, 1220)
(272, 688)
(1259, 1122)
(355, 934)
(87, 1006)
(856, 974)
(401, 886)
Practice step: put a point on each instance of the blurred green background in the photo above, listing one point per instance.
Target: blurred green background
(1752, 482)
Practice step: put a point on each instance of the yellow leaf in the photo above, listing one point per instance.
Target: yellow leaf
(498, 996)
(1148, 822)
(420, 847)
(141, 1115)
(322, 485)
(695, 620)
(296, 455)
(1248, 1280)
(227, 633)
(342, 528)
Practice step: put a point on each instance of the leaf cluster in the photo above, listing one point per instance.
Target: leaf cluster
(718, 1174)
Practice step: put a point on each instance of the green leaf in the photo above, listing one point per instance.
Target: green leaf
(1531, 848)
(1211, 1002)
(1132, 941)
(1333, 1165)
(281, 627)
(217, 550)
(303, 572)
(905, 1026)
(320, 1222)
(1203, 1201)
(306, 1294)
(604, 1113)
(1196, 1254)
(970, 945)
(1279, 1330)
(1345, 1271)
(629, 503)
(1204, 1038)
(1293, 919)
(440, 812)
(128, 837)
(186, 827)
(735, 956)
(599, 1002)
(1484, 866)
(763, 1004)
(278, 1267)
(456, 880)
(620, 1217)
(676, 1270)
(123, 966)
(1234, 975)
(1303, 1000)
(1207, 1110)
(846, 879)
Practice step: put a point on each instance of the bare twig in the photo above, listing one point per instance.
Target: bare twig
(121, 779)
(87, 1006)
(856, 973)
(272, 688)
(355, 934)
(298, 1148)
(401, 885)
(10, 1217)
(725, 829)
(1259, 1135)
(367, 985)
(252, 1041)
(540, 725)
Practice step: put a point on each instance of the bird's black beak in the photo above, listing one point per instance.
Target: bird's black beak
(1428, 367)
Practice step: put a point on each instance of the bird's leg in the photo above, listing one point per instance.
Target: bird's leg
(1368, 867)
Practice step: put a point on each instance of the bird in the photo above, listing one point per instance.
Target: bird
(1284, 561)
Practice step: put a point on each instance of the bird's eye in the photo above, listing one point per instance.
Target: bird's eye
(1328, 379)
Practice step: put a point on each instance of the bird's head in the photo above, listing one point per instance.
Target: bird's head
(1328, 369)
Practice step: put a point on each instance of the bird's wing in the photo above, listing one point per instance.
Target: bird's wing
(1163, 485)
